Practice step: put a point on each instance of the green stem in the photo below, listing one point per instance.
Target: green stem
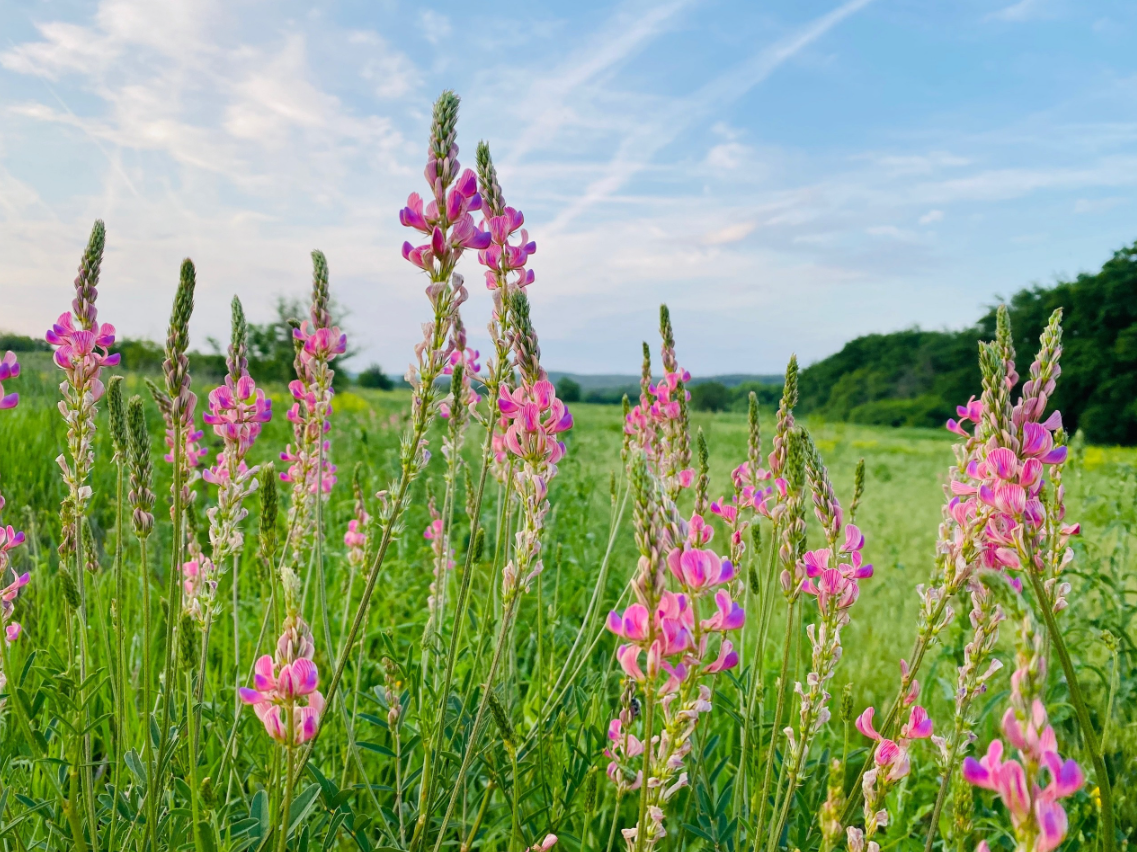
(615, 822)
(949, 770)
(191, 759)
(778, 707)
(147, 696)
(120, 654)
(649, 713)
(173, 607)
(286, 816)
(467, 758)
(86, 776)
(514, 799)
(462, 602)
(1080, 711)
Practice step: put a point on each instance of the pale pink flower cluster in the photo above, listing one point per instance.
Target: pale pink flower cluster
(1031, 786)
(536, 419)
(311, 411)
(82, 353)
(285, 688)
(656, 425)
(674, 641)
(506, 261)
(10, 539)
(443, 559)
(9, 369)
(199, 582)
(836, 587)
(192, 450)
(447, 219)
(237, 410)
(464, 396)
(355, 539)
(890, 764)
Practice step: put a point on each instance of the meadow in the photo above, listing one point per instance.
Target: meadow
(463, 616)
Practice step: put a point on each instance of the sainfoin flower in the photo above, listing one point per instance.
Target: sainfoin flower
(286, 687)
(310, 470)
(668, 652)
(237, 412)
(890, 763)
(1030, 786)
(9, 369)
(81, 351)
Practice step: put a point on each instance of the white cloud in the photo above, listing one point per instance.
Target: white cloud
(1023, 10)
(1096, 205)
(932, 216)
(727, 157)
(729, 234)
(435, 26)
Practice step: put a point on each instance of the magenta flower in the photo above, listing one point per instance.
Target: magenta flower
(288, 685)
(9, 369)
(536, 417)
(698, 570)
(277, 691)
(890, 764)
(237, 410)
(82, 352)
(9, 540)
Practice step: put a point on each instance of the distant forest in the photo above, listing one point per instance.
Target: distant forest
(916, 378)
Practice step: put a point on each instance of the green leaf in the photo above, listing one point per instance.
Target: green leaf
(258, 810)
(136, 766)
(375, 747)
(302, 806)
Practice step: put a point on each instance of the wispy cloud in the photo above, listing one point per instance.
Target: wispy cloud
(1023, 10)
(653, 155)
(647, 138)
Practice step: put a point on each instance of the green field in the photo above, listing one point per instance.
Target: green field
(906, 471)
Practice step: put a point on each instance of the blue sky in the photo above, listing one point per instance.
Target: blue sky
(786, 175)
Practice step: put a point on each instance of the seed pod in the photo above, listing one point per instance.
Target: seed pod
(70, 590)
(187, 640)
(268, 513)
(118, 418)
(501, 719)
(847, 712)
(479, 544)
(208, 794)
(858, 490)
(90, 554)
(590, 790)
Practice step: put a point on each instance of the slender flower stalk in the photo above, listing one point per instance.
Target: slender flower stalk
(979, 666)
(788, 507)
(1038, 820)
(666, 629)
(536, 420)
(141, 499)
(177, 403)
(832, 576)
(81, 351)
(448, 222)
(890, 764)
(310, 470)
